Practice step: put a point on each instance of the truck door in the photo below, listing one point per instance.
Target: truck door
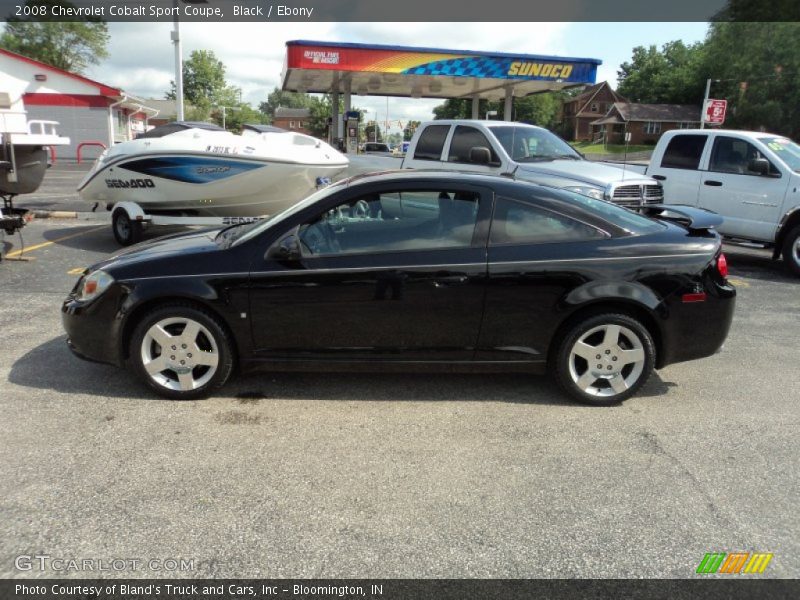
(679, 168)
(427, 152)
(749, 202)
(464, 139)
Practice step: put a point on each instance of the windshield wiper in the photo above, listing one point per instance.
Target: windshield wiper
(568, 156)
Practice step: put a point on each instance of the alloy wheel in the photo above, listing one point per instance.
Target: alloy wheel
(607, 360)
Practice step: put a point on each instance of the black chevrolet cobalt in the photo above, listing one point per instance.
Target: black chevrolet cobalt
(404, 270)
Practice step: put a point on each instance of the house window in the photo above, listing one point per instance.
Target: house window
(652, 127)
(685, 125)
(291, 124)
(595, 107)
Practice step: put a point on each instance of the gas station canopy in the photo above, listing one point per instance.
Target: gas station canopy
(376, 70)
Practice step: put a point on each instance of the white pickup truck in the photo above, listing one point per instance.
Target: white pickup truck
(526, 152)
(751, 179)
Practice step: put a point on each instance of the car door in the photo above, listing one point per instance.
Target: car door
(377, 280)
(530, 249)
(679, 168)
(748, 202)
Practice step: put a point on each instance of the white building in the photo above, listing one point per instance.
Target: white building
(87, 110)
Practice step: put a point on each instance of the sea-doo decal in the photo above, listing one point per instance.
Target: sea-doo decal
(190, 169)
(130, 183)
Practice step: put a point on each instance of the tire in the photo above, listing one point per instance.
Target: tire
(194, 366)
(608, 380)
(126, 230)
(791, 250)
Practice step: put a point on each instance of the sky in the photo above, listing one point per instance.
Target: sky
(141, 56)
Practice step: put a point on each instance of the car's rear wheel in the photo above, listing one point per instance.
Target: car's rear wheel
(604, 359)
(791, 250)
(181, 352)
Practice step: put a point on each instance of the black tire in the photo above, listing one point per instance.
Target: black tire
(212, 337)
(126, 230)
(601, 393)
(791, 250)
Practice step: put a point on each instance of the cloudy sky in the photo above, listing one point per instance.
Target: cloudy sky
(141, 55)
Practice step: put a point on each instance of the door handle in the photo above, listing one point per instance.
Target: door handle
(442, 282)
(660, 177)
(712, 183)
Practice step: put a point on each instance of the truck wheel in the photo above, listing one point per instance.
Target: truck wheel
(126, 231)
(791, 250)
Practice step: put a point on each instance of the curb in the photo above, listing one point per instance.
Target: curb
(55, 214)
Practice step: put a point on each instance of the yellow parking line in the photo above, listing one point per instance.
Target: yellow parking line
(55, 241)
(738, 282)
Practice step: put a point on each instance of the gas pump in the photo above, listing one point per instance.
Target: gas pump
(351, 131)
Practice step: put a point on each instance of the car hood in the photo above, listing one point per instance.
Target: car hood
(579, 171)
(180, 244)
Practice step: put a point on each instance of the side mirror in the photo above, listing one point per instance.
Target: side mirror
(480, 155)
(285, 249)
(759, 165)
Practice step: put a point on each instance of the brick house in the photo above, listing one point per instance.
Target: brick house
(645, 122)
(579, 112)
(292, 119)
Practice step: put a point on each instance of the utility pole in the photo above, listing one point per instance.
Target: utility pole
(176, 39)
(705, 102)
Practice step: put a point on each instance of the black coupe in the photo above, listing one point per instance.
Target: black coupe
(406, 269)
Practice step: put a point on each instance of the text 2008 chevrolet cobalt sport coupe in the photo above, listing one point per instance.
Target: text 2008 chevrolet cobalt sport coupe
(412, 268)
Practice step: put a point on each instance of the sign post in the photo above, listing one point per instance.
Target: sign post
(714, 111)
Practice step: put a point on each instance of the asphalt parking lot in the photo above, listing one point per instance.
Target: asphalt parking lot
(375, 475)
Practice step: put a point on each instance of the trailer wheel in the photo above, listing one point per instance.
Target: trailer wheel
(126, 231)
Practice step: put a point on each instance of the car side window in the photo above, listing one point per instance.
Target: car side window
(393, 221)
(521, 223)
(431, 142)
(684, 152)
(464, 139)
(732, 155)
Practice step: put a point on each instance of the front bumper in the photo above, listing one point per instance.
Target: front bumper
(93, 328)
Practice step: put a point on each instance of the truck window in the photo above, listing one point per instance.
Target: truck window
(684, 151)
(732, 155)
(431, 143)
(464, 139)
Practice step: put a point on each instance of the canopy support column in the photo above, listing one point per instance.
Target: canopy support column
(508, 108)
(476, 103)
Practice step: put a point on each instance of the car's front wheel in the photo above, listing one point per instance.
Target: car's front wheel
(181, 352)
(604, 359)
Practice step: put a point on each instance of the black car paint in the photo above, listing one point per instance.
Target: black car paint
(494, 305)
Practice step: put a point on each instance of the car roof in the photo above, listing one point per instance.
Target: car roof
(431, 175)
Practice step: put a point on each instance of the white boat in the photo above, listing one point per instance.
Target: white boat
(198, 169)
(23, 157)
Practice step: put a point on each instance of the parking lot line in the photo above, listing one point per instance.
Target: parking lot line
(48, 243)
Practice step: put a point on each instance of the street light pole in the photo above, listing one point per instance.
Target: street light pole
(705, 102)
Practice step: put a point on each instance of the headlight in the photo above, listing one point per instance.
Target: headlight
(587, 190)
(93, 285)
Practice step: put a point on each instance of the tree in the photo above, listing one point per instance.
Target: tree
(286, 99)
(204, 82)
(409, 129)
(667, 76)
(71, 46)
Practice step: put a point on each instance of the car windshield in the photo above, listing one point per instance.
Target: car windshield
(264, 224)
(532, 144)
(787, 150)
(630, 221)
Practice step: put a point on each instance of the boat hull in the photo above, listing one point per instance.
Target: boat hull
(203, 185)
(31, 165)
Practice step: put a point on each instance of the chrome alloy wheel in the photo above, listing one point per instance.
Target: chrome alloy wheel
(179, 354)
(607, 360)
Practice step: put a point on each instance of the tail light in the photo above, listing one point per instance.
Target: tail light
(722, 265)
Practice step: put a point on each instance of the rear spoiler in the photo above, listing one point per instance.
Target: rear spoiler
(691, 217)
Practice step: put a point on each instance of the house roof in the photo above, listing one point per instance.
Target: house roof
(631, 111)
(584, 99)
(102, 88)
(292, 113)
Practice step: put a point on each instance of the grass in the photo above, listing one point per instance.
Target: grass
(589, 148)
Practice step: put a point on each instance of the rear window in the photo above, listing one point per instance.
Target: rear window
(431, 142)
(520, 223)
(684, 151)
(632, 222)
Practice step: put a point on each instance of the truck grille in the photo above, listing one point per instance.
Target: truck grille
(634, 196)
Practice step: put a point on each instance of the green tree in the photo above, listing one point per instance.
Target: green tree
(204, 82)
(71, 46)
(667, 76)
(278, 98)
(409, 129)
